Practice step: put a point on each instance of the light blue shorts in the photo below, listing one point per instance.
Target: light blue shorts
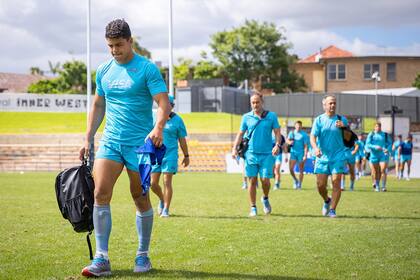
(120, 153)
(378, 157)
(296, 156)
(167, 166)
(405, 158)
(329, 168)
(261, 164)
(279, 158)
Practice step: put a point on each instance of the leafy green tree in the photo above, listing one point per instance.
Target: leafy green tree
(54, 67)
(184, 69)
(36, 71)
(139, 49)
(257, 52)
(206, 69)
(416, 82)
(44, 86)
(71, 79)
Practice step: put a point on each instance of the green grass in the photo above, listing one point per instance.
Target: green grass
(209, 236)
(40, 123)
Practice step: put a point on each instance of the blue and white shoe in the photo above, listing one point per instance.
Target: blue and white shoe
(165, 213)
(326, 208)
(267, 206)
(377, 189)
(244, 185)
(276, 186)
(160, 207)
(295, 185)
(332, 213)
(299, 185)
(253, 212)
(142, 264)
(99, 267)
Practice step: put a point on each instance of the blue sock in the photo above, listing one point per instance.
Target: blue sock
(383, 183)
(144, 224)
(351, 184)
(377, 183)
(102, 223)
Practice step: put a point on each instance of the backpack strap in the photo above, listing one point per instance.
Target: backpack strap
(89, 245)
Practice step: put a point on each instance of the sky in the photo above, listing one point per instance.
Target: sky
(34, 32)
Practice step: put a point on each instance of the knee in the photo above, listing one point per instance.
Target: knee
(102, 197)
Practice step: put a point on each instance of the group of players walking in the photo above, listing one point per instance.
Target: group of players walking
(324, 146)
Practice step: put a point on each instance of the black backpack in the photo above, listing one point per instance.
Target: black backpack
(349, 137)
(74, 190)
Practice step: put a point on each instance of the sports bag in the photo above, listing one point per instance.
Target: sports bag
(74, 190)
(349, 137)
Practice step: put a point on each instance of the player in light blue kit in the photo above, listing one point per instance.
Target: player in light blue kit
(351, 162)
(360, 157)
(327, 142)
(278, 160)
(406, 153)
(173, 132)
(395, 148)
(258, 125)
(378, 142)
(126, 87)
(298, 140)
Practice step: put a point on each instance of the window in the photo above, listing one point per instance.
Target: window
(341, 71)
(336, 71)
(369, 69)
(391, 71)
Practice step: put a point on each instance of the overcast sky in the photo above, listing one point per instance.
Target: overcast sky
(34, 32)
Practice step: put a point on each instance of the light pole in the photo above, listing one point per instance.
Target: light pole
(89, 84)
(171, 75)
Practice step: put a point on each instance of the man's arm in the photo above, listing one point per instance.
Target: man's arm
(184, 148)
(238, 139)
(96, 117)
(317, 151)
(276, 148)
(163, 111)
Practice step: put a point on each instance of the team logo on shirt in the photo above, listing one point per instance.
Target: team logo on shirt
(120, 84)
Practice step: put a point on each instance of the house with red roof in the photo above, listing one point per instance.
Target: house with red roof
(335, 70)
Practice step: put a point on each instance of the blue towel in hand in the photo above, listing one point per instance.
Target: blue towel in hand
(149, 155)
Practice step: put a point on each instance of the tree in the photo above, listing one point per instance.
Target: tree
(416, 82)
(206, 69)
(257, 52)
(71, 79)
(184, 69)
(54, 68)
(139, 49)
(44, 86)
(36, 71)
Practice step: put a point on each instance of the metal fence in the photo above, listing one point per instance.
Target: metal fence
(232, 100)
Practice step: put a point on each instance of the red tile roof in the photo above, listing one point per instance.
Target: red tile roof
(11, 82)
(329, 52)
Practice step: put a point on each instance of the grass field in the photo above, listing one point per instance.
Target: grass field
(209, 236)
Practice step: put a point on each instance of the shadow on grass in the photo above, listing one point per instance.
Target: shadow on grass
(374, 217)
(187, 274)
(346, 217)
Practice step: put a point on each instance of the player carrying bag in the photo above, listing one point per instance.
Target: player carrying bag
(74, 189)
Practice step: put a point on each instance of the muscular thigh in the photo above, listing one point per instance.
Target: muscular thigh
(105, 174)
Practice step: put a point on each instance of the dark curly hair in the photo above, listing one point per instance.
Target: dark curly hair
(118, 29)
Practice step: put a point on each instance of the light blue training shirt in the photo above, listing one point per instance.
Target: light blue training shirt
(301, 139)
(329, 138)
(378, 139)
(260, 142)
(128, 90)
(173, 130)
